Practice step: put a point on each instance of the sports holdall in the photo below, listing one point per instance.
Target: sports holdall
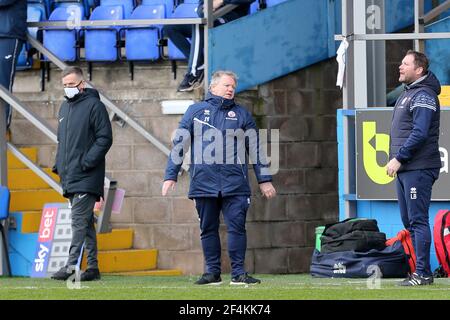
(404, 237)
(441, 234)
(391, 261)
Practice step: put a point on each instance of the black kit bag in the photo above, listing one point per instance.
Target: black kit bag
(392, 262)
(340, 228)
(356, 241)
(352, 235)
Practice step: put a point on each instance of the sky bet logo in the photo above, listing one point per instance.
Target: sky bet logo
(45, 241)
(375, 146)
(40, 262)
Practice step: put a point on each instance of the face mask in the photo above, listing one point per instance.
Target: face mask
(72, 92)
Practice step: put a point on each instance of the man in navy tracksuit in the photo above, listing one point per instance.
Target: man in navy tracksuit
(415, 157)
(218, 172)
(13, 33)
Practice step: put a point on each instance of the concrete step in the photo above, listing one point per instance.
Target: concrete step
(26, 179)
(31, 221)
(14, 163)
(158, 272)
(137, 94)
(118, 239)
(158, 75)
(125, 260)
(33, 200)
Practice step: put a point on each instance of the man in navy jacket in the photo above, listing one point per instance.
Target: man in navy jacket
(415, 157)
(219, 175)
(13, 30)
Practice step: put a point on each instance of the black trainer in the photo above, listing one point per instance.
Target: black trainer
(209, 279)
(62, 274)
(416, 280)
(90, 275)
(244, 279)
(191, 82)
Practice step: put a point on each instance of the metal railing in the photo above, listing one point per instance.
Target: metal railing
(207, 21)
(108, 103)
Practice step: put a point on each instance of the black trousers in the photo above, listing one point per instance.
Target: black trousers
(9, 52)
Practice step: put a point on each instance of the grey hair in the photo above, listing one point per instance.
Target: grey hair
(219, 74)
(72, 70)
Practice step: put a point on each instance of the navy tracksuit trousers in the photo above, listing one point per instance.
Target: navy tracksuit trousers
(9, 53)
(234, 209)
(414, 196)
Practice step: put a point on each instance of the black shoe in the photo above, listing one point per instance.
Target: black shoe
(416, 280)
(90, 275)
(209, 279)
(191, 82)
(244, 279)
(62, 274)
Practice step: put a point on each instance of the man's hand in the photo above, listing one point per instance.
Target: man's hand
(217, 4)
(168, 184)
(267, 190)
(392, 167)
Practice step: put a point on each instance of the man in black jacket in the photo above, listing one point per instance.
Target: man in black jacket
(13, 30)
(194, 49)
(84, 138)
(415, 157)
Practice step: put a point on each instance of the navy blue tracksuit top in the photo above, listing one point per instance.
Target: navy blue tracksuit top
(415, 125)
(228, 173)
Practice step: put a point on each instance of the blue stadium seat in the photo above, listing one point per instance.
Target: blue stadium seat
(168, 4)
(62, 42)
(254, 7)
(47, 4)
(183, 10)
(127, 5)
(41, 6)
(70, 4)
(34, 14)
(4, 214)
(101, 44)
(142, 43)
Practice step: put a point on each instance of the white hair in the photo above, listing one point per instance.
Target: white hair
(215, 78)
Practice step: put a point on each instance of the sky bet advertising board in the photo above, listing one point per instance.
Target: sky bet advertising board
(372, 155)
(54, 239)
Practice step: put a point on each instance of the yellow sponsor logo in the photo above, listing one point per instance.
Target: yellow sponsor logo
(374, 142)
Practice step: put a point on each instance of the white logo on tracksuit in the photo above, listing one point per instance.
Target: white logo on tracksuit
(413, 193)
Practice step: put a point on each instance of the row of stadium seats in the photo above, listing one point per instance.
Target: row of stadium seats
(87, 6)
(106, 43)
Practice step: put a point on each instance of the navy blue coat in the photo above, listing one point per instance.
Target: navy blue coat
(415, 126)
(225, 173)
(13, 19)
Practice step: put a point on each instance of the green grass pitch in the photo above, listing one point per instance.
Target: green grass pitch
(273, 287)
